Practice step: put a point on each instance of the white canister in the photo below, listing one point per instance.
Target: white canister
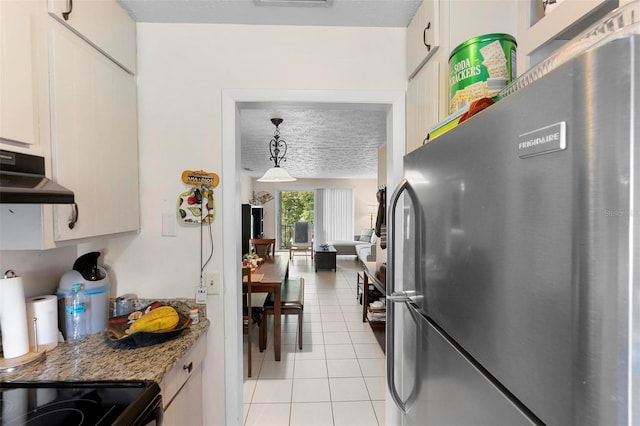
(97, 293)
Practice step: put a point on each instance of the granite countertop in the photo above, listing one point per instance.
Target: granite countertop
(92, 359)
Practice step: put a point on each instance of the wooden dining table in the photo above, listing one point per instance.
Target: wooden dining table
(268, 279)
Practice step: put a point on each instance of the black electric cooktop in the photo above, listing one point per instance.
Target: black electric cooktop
(79, 403)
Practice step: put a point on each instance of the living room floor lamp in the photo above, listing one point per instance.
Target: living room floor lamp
(278, 150)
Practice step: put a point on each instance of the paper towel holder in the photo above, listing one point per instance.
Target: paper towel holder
(31, 357)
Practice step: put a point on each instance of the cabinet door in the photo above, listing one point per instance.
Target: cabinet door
(18, 115)
(186, 408)
(541, 33)
(423, 35)
(423, 99)
(104, 24)
(94, 139)
(182, 388)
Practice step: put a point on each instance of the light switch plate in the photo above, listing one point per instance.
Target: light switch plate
(168, 225)
(201, 295)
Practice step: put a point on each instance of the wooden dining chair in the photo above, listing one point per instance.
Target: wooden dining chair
(264, 247)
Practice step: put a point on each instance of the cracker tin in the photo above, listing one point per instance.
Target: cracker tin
(481, 67)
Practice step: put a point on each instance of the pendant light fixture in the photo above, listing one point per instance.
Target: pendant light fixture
(278, 150)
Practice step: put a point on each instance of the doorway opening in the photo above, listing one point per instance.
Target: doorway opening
(232, 99)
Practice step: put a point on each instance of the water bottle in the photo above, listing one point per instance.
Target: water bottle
(76, 316)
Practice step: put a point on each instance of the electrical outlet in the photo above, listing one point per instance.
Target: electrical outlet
(212, 282)
(201, 296)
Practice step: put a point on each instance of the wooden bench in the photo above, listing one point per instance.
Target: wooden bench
(292, 294)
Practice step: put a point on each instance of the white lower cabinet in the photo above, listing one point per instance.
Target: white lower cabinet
(94, 139)
(182, 388)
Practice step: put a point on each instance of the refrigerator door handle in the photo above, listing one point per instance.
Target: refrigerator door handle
(395, 297)
(398, 297)
(393, 202)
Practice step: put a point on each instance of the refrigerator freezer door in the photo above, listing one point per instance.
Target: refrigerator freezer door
(448, 389)
(525, 255)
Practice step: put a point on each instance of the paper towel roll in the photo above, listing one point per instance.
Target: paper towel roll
(45, 310)
(13, 318)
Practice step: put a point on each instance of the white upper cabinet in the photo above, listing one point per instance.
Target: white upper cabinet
(68, 93)
(93, 138)
(18, 112)
(104, 24)
(449, 23)
(423, 35)
(541, 33)
(468, 19)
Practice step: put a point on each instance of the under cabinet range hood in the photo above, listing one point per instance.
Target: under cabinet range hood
(22, 181)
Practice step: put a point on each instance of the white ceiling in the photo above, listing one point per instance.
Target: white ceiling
(356, 13)
(324, 140)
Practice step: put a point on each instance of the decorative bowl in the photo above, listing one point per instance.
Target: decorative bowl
(116, 336)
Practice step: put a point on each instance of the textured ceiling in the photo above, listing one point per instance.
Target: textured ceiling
(324, 140)
(357, 13)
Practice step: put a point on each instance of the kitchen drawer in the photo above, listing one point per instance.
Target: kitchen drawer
(189, 363)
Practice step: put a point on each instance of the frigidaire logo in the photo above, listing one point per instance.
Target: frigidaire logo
(542, 141)
(538, 141)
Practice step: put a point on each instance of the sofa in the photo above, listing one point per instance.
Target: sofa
(363, 246)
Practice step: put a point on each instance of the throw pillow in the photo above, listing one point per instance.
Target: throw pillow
(365, 235)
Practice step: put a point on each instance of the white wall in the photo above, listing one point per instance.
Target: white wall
(40, 270)
(183, 69)
(246, 188)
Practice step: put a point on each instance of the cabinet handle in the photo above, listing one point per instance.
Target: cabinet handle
(424, 36)
(66, 14)
(74, 216)
(188, 367)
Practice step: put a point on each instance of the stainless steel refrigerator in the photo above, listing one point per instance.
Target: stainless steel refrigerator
(514, 296)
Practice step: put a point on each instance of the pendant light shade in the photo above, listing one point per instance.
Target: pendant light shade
(276, 174)
(278, 150)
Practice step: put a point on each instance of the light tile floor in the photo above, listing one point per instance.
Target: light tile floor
(338, 378)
